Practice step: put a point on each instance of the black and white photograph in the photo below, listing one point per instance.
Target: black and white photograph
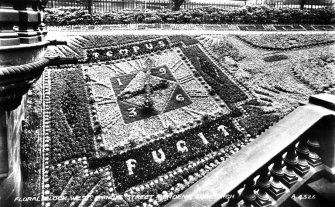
(167, 103)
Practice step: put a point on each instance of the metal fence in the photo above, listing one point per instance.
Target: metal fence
(113, 5)
(117, 5)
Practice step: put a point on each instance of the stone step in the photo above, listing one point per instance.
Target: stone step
(308, 197)
(324, 188)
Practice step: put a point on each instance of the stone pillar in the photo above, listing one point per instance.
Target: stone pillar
(3, 146)
(324, 131)
(276, 187)
(8, 18)
(248, 195)
(28, 21)
(36, 25)
(263, 185)
(41, 6)
(21, 63)
(323, 146)
(290, 160)
(302, 168)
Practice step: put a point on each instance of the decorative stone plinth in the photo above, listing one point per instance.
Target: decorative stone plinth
(29, 21)
(276, 189)
(313, 158)
(263, 184)
(290, 160)
(262, 199)
(248, 195)
(26, 31)
(302, 166)
(290, 178)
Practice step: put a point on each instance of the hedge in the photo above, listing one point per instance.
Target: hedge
(204, 15)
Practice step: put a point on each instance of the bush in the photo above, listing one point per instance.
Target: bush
(205, 15)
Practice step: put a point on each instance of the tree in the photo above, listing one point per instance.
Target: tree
(302, 4)
(177, 4)
(87, 4)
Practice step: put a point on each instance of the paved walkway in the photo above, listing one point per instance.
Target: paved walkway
(194, 27)
(62, 35)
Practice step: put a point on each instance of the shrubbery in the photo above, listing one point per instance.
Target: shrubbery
(205, 15)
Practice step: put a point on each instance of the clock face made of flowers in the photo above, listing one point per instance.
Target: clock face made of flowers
(178, 97)
(165, 93)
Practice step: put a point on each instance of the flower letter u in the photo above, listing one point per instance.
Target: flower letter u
(159, 159)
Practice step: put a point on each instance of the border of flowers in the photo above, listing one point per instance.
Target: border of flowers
(46, 138)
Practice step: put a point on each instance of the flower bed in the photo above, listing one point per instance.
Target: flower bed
(122, 130)
(287, 41)
(271, 83)
(221, 84)
(222, 48)
(61, 174)
(77, 185)
(161, 189)
(71, 130)
(317, 72)
(86, 187)
(205, 15)
(259, 119)
(162, 155)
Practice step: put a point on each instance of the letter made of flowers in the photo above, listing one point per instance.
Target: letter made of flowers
(223, 129)
(131, 164)
(159, 159)
(181, 146)
(203, 138)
